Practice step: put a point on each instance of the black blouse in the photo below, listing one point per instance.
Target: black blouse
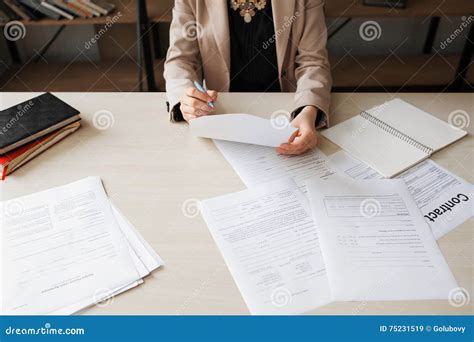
(253, 57)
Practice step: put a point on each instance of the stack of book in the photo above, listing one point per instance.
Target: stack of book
(53, 9)
(29, 128)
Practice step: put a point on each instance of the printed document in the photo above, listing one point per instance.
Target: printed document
(375, 242)
(445, 200)
(258, 164)
(61, 247)
(270, 244)
(144, 258)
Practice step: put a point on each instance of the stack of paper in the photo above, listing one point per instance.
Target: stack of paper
(68, 248)
(356, 239)
(365, 240)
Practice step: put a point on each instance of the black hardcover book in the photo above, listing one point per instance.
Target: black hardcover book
(32, 119)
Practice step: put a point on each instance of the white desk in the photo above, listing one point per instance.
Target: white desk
(150, 167)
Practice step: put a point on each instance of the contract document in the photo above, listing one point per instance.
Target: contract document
(66, 248)
(258, 164)
(243, 128)
(445, 200)
(375, 242)
(270, 244)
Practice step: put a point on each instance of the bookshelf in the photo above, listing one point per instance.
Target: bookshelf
(127, 12)
(159, 12)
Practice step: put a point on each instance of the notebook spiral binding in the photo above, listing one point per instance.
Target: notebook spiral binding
(396, 133)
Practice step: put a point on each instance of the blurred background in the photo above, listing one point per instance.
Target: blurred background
(426, 46)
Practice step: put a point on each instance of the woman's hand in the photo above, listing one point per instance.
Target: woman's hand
(194, 103)
(305, 137)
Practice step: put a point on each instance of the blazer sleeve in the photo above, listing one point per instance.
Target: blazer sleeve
(183, 62)
(313, 73)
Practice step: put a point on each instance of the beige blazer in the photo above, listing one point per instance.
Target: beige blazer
(200, 49)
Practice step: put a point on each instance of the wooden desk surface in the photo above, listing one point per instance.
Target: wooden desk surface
(150, 167)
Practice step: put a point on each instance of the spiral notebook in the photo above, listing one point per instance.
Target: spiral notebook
(393, 137)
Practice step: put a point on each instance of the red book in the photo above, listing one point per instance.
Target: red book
(12, 160)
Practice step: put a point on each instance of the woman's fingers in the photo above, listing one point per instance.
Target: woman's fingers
(188, 110)
(195, 104)
(213, 95)
(293, 136)
(301, 143)
(191, 106)
(194, 93)
(289, 149)
(196, 111)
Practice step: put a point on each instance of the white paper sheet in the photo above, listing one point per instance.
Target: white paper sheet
(150, 259)
(144, 257)
(353, 167)
(59, 247)
(270, 244)
(243, 128)
(444, 199)
(418, 124)
(99, 298)
(375, 242)
(258, 164)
